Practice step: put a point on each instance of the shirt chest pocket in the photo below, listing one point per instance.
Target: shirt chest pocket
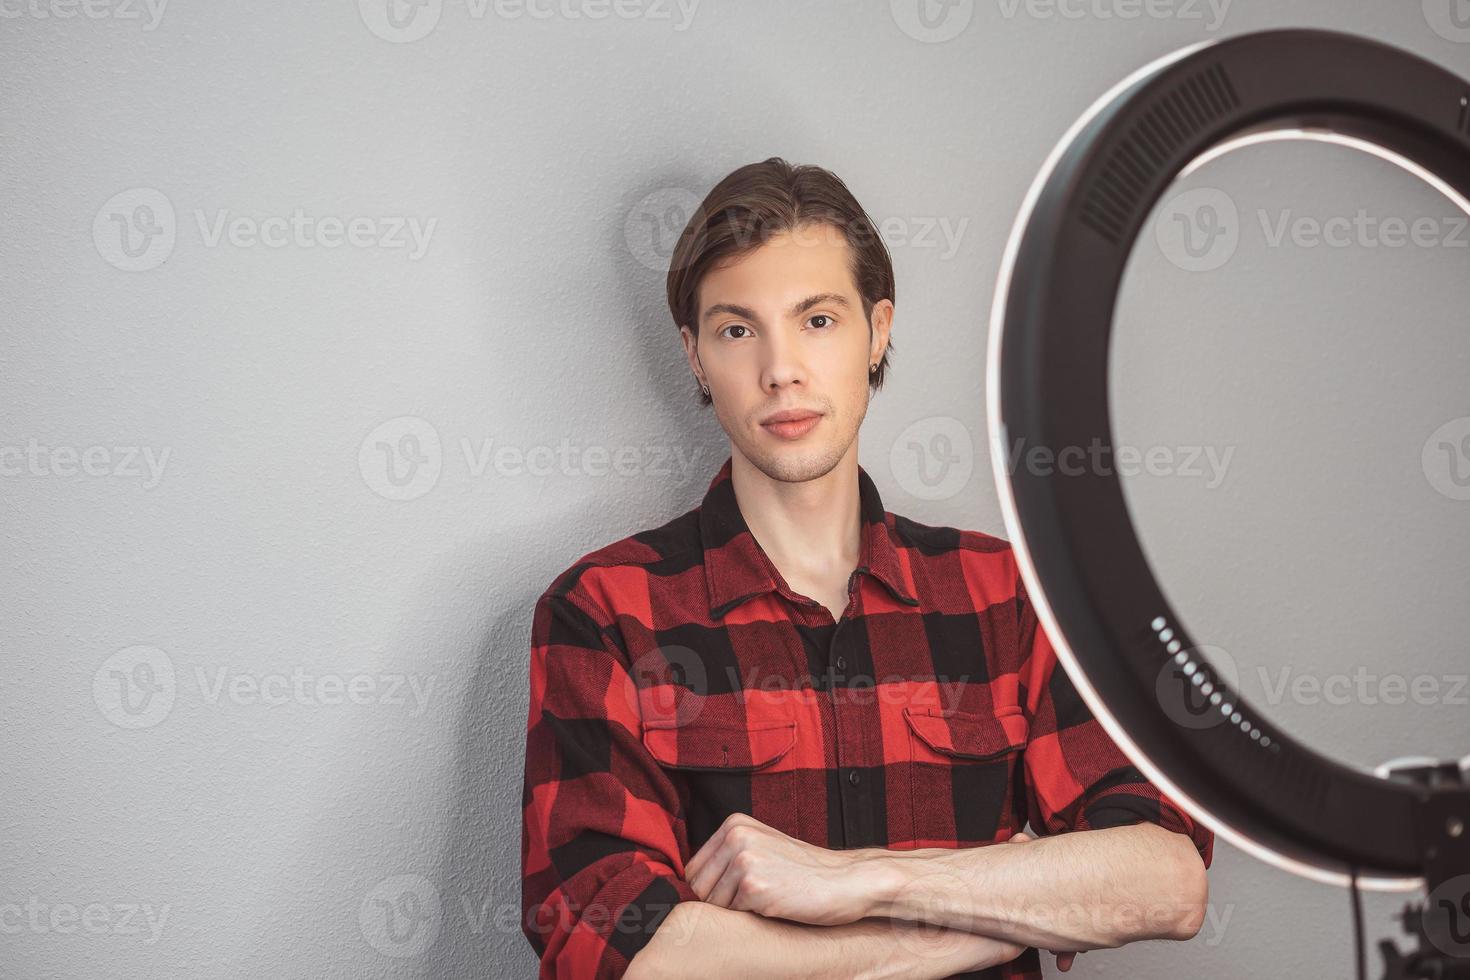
(723, 765)
(962, 774)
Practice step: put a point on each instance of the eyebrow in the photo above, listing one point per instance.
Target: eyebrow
(797, 309)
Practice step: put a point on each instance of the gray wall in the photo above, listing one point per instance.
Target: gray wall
(278, 498)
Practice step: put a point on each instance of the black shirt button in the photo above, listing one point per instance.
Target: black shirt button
(852, 776)
(841, 663)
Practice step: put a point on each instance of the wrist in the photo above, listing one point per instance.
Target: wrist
(943, 887)
(885, 949)
(885, 877)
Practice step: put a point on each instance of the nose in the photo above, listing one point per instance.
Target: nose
(782, 362)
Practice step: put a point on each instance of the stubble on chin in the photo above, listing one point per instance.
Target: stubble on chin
(791, 464)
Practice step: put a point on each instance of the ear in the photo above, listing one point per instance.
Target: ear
(691, 353)
(880, 324)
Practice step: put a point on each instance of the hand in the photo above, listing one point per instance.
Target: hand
(1065, 958)
(750, 867)
(966, 951)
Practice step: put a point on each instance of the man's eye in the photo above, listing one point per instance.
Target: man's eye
(821, 316)
(735, 326)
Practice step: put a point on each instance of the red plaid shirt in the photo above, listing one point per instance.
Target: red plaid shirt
(676, 678)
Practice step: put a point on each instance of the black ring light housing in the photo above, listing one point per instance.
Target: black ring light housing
(1078, 552)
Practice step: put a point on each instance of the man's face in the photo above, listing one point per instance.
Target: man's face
(782, 329)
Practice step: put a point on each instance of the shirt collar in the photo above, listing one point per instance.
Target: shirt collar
(736, 568)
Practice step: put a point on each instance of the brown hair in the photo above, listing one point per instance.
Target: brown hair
(758, 201)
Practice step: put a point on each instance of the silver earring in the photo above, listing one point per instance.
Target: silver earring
(872, 368)
(705, 389)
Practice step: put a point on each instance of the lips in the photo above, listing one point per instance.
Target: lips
(791, 423)
(789, 415)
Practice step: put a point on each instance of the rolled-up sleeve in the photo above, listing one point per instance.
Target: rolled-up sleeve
(603, 842)
(1076, 776)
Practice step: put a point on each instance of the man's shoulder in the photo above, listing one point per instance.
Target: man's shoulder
(942, 549)
(601, 575)
(942, 537)
(939, 539)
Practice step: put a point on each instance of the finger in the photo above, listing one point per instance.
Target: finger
(1019, 837)
(723, 892)
(716, 839)
(722, 832)
(704, 853)
(1064, 961)
(700, 858)
(704, 878)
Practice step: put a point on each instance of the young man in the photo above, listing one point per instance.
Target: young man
(790, 734)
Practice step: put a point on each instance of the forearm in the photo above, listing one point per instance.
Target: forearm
(714, 943)
(1083, 890)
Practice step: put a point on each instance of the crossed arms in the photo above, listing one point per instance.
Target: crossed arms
(780, 907)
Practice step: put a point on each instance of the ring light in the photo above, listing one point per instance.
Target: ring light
(1047, 385)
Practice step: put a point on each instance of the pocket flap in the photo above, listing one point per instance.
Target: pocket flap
(731, 748)
(969, 735)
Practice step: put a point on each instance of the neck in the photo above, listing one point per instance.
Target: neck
(813, 526)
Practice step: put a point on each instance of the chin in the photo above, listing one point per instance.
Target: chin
(795, 463)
